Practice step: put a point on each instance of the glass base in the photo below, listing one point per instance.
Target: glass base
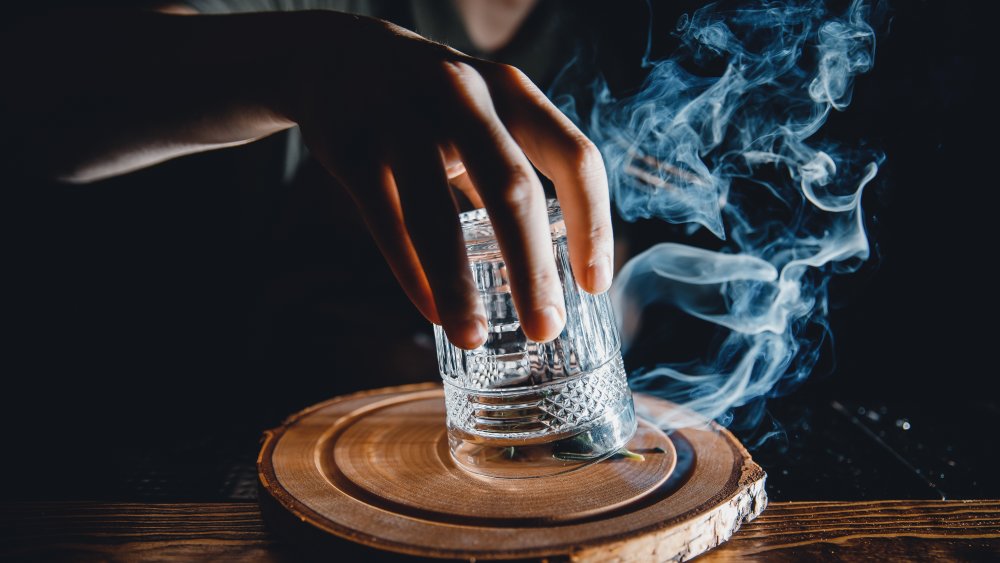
(544, 458)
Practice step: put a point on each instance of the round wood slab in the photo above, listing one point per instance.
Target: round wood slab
(374, 468)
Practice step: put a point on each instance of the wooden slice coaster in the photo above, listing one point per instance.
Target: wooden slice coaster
(374, 468)
(396, 456)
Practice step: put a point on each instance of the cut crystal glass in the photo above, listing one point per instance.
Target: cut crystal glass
(518, 408)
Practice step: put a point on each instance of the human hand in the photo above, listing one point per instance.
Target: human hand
(392, 115)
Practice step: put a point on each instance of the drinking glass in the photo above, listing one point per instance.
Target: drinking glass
(518, 408)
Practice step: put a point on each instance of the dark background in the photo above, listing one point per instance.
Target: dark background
(158, 322)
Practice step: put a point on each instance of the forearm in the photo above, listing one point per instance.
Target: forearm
(102, 94)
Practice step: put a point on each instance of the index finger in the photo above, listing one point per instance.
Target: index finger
(567, 157)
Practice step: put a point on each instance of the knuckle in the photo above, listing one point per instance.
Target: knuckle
(512, 77)
(461, 75)
(600, 232)
(518, 191)
(586, 157)
(456, 70)
(511, 73)
(464, 91)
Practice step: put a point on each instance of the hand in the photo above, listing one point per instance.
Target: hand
(389, 113)
(386, 111)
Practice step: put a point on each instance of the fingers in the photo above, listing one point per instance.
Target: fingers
(383, 215)
(431, 220)
(516, 203)
(561, 152)
(459, 179)
(373, 189)
(464, 184)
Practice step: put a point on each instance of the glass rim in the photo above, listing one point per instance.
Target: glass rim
(480, 239)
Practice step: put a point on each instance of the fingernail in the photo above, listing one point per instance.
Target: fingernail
(599, 275)
(552, 321)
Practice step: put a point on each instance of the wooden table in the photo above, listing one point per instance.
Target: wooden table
(879, 530)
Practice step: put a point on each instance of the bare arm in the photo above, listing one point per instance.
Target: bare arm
(96, 95)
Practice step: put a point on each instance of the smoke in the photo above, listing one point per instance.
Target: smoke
(736, 152)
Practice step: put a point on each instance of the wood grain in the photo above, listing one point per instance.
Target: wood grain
(407, 464)
(880, 530)
(787, 531)
(373, 468)
(81, 531)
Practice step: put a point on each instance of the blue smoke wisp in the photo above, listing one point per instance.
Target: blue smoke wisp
(678, 149)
